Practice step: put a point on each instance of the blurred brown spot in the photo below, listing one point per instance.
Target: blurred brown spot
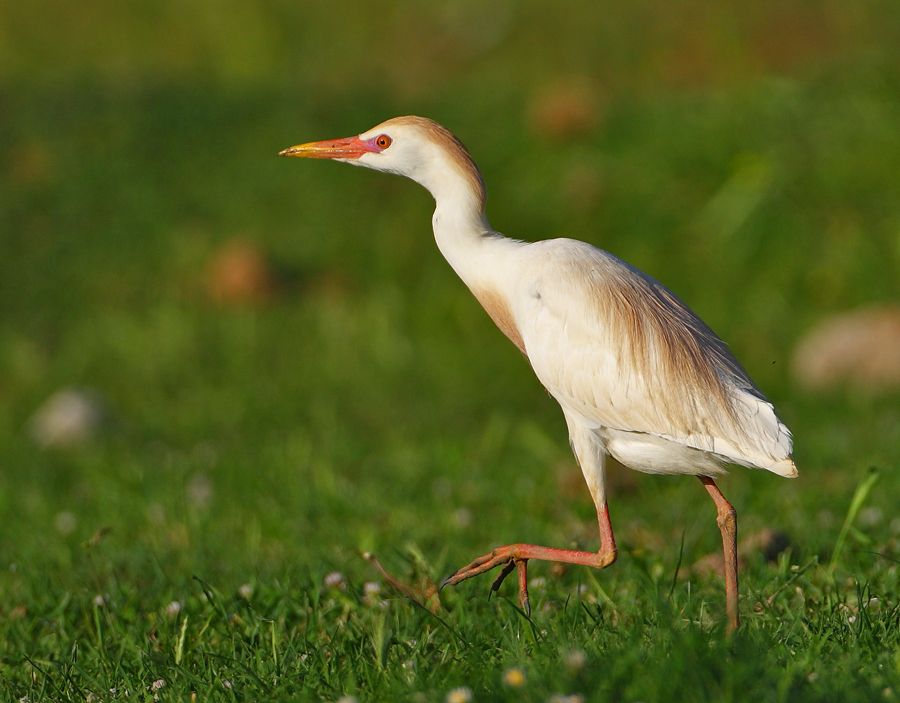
(686, 58)
(30, 164)
(793, 35)
(330, 285)
(565, 111)
(859, 349)
(96, 538)
(582, 186)
(240, 273)
(767, 543)
(558, 569)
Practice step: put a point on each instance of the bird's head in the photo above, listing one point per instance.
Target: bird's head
(415, 147)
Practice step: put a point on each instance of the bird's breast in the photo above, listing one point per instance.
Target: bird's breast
(497, 307)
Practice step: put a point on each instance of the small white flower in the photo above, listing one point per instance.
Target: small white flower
(575, 659)
(371, 588)
(245, 591)
(173, 608)
(537, 583)
(335, 579)
(463, 694)
(158, 684)
(69, 417)
(226, 684)
(99, 601)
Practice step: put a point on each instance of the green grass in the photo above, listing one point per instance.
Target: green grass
(369, 405)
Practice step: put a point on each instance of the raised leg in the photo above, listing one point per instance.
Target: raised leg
(590, 454)
(726, 517)
(516, 556)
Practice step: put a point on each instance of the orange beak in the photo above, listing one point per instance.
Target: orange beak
(346, 148)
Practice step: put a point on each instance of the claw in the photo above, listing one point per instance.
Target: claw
(510, 565)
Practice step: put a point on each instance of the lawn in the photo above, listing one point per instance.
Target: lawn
(206, 540)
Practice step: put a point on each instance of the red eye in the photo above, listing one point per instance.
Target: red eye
(383, 141)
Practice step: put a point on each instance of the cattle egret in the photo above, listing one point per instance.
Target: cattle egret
(638, 375)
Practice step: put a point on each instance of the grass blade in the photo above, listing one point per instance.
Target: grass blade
(856, 503)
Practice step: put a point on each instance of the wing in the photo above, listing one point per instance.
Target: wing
(621, 351)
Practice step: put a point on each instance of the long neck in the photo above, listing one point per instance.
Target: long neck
(466, 241)
(461, 228)
(482, 258)
(485, 260)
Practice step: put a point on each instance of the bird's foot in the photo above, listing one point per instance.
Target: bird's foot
(516, 556)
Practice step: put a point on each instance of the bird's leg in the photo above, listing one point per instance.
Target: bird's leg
(591, 455)
(726, 518)
(516, 556)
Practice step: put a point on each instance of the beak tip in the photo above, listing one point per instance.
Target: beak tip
(345, 149)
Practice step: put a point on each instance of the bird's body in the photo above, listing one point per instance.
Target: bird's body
(625, 359)
(637, 374)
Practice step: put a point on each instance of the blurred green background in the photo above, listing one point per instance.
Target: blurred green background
(289, 371)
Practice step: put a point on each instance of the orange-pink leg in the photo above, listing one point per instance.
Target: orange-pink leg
(516, 556)
(726, 517)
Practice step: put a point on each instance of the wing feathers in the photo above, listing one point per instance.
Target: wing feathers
(621, 350)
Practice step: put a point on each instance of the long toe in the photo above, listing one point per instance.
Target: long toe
(522, 565)
(485, 562)
(517, 555)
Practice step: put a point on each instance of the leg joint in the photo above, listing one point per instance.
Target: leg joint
(727, 517)
(607, 557)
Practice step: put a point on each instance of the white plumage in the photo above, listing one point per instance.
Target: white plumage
(593, 329)
(637, 374)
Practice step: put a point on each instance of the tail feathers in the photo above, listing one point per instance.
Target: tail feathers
(785, 467)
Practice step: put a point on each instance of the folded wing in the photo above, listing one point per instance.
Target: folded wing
(621, 351)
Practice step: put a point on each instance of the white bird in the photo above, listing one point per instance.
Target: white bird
(638, 375)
